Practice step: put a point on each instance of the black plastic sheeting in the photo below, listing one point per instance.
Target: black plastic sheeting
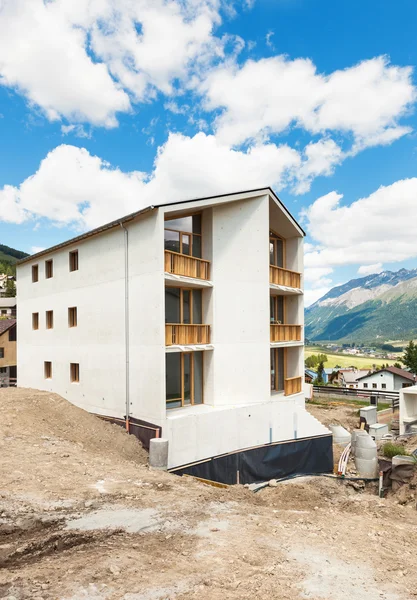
(143, 430)
(309, 455)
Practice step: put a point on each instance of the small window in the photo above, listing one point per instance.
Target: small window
(72, 316)
(12, 334)
(75, 372)
(374, 385)
(384, 386)
(73, 260)
(35, 273)
(365, 385)
(35, 320)
(49, 269)
(3, 371)
(1, 352)
(48, 370)
(49, 319)
(4, 311)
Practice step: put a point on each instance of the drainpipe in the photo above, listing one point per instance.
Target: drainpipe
(126, 249)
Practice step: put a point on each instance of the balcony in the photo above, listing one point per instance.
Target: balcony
(292, 385)
(188, 266)
(285, 333)
(285, 277)
(182, 335)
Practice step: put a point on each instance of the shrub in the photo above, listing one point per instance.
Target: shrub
(389, 450)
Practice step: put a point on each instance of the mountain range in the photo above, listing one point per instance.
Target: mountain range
(10, 255)
(380, 307)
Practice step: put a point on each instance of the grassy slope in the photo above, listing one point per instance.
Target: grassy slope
(344, 360)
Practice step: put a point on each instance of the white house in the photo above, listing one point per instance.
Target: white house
(7, 307)
(183, 320)
(390, 379)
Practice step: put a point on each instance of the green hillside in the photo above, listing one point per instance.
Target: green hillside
(10, 255)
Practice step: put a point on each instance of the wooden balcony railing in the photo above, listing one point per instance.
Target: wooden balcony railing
(292, 385)
(285, 333)
(189, 266)
(186, 334)
(280, 276)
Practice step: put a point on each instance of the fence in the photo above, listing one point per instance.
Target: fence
(8, 382)
(379, 395)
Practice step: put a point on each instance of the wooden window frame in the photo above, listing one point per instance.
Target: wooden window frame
(272, 239)
(47, 369)
(189, 233)
(191, 290)
(73, 258)
(49, 319)
(35, 273)
(192, 372)
(72, 316)
(1, 351)
(275, 310)
(275, 352)
(49, 268)
(75, 372)
(35, 321)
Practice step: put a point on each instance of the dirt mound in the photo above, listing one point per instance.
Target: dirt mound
(335, 414)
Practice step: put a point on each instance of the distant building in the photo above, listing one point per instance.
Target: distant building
(309, 375)
(8, 307)
(349, 377)
(390, 379)
(8, 363)
(3, 283)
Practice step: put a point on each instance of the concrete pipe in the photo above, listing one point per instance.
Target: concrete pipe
(158, 454)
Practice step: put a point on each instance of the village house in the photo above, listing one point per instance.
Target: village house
(8, 307)
(349, 377)
(390, 379)
(206, 339)
(8, 369)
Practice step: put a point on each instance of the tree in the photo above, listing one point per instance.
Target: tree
(398, 365)
(311, 362)
(319, 380)
(10, 290)
(321, 358)
(409, 358)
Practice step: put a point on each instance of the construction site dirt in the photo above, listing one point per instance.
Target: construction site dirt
(83, 517)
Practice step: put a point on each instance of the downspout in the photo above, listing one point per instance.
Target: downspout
(127, 383)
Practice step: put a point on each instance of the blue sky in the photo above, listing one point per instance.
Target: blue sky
(108, 106)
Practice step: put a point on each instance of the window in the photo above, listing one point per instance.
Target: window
(374, 385)
(183, 306)
(384, 386)
(72, 316)
(49, 319)
(276, 250)
(3, 371)
(365, 385)
(1, 352)
(12, 334)
(4, 311)
(48, 370)
(49, 269)
(277, 369)
(184, 235)
(276, 304)
(73, 260)
(184, 379)
(75, 372)
(35, 320)
(35, 273)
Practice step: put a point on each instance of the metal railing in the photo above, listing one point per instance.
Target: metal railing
(379, 395)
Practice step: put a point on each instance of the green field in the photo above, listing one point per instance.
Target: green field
(345, 360)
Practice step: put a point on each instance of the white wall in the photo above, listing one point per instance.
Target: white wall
(380, 378)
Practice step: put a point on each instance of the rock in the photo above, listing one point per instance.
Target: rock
(88, 503)
(273, 483)
(114, 570)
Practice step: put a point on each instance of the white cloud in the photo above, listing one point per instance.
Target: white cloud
(104, 52)
(77, 130)
(312, 295)
(268, 39)
(370, 269)
(36, 249)
(269, 95)
(369, 232)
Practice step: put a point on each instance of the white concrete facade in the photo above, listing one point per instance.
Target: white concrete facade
(122, 361)
(408, 408)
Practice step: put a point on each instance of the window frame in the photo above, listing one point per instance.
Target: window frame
(49, 319)
(181, 299)
(73, 259)
(35, 273)
(365, 385)
(192, 375)
(374, 386)
(47, 369)
(273, 236)
(35, 320)
(49, 268)
(273, 319)
(75, 372)
(1, 351)
(182, 233)
(72, 317)
(274, 351)
(383, 386)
